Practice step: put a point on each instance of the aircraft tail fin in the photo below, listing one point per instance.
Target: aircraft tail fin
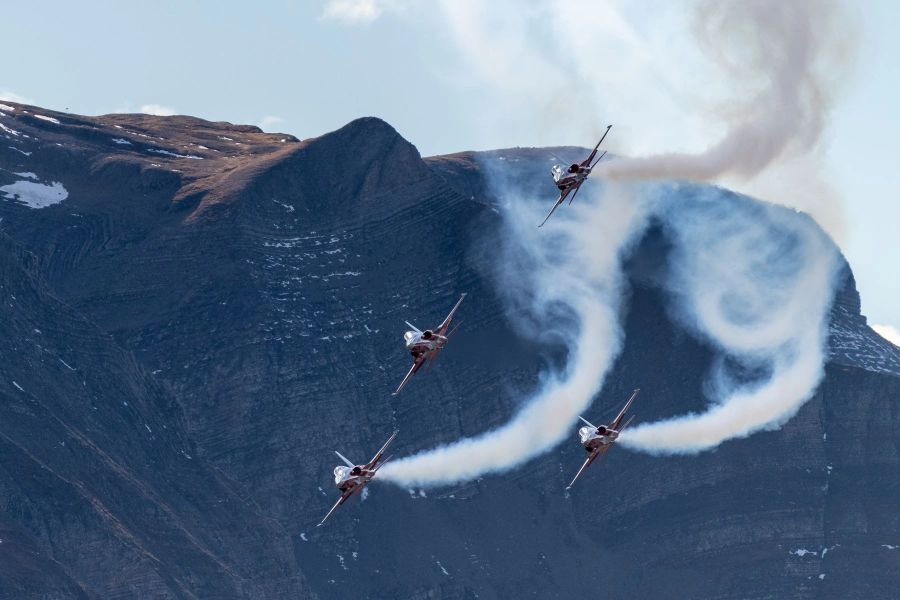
(345, 459)
(588, 422)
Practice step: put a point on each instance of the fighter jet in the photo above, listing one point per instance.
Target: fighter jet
(353, 478)
(570, 179)
(425, 345)
(597, 440)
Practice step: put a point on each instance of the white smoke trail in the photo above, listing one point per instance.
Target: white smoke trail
(752, 85)
(782, 62)
(766, 313)
(569, 275)
(757, 282)
(736, 288)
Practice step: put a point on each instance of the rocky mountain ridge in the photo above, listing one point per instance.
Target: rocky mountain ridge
(219, 308)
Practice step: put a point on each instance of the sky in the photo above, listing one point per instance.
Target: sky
(454, 75)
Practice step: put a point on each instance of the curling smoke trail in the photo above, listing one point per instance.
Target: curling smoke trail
(756, 286)
(756, 281)
(570, 272)
(736, 283)
(781, 60)
(758, 306)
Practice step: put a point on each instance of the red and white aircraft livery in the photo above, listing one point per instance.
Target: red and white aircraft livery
(353, 478)
(597, 440)
(424, 345)
(570, 179)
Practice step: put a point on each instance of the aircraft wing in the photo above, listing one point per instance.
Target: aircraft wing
(412, 371)
(377, 457)
(600, 453)
(562, 196)
(443, 327)
(587, 162)
(381, 464)
(615, 424)
(340, 501)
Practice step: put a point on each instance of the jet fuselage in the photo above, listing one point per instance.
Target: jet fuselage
(346, 478)
(594, 437)
(571, 178)
(421, 342)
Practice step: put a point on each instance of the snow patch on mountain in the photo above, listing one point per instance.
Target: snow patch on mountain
(167, 153)
(8, 130)
(852, 343)
(46, 118)
(33, 194)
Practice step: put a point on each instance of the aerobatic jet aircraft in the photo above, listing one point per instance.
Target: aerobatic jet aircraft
(353, 478)
(569, 179)
(597, 440)
(425, 345)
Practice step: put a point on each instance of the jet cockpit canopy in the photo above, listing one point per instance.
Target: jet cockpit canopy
(340, 473)
(585, 433)
(558, 171)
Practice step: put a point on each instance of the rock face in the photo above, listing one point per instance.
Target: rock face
(210, 310)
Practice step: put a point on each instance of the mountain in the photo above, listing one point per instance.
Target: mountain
(198, 313)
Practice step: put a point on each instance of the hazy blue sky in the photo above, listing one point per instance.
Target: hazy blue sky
(309, 67)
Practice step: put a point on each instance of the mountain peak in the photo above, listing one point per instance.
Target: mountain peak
(371, 125)
(366, 139)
